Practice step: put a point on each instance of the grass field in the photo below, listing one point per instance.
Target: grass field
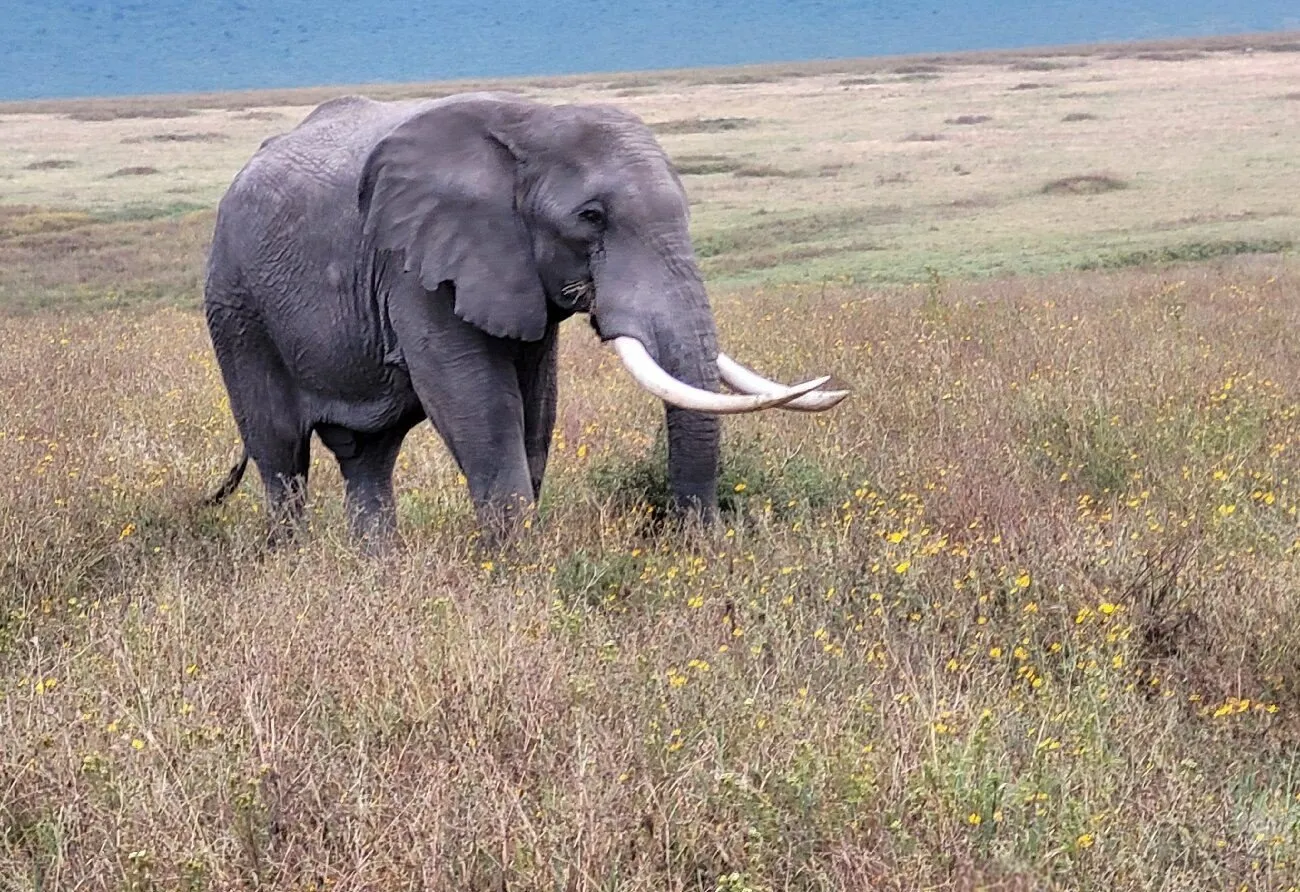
(1023, 613)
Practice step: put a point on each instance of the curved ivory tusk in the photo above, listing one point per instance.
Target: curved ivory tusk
(653, 378)
(746, 381)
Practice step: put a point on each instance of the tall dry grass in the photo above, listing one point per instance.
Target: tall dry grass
(1022, 614)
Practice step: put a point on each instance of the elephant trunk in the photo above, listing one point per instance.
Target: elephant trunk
(688, 351)
(651, 302)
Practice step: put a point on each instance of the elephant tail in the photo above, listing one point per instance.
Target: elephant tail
(231, 483)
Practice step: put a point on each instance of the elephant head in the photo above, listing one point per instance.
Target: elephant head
(534, 212)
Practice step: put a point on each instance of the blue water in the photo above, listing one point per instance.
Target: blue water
(62, 48)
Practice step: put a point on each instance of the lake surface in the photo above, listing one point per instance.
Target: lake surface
(60, 48)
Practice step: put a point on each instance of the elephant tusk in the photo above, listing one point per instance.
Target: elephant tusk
(653, 378)
(744, 380)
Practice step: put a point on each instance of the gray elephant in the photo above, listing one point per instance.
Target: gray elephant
(383, 263)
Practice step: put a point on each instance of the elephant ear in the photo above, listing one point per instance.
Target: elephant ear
(439, 190)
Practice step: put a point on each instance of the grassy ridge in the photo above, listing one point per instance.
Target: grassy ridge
(1021, 614)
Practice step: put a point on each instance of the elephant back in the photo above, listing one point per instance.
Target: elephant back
(333, 139)
(298, 195)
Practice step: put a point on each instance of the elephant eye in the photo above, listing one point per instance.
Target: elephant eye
(594, 216)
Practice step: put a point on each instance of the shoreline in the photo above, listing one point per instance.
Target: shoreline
(1163, 49)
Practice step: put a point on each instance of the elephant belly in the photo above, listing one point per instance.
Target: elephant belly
(382, 409)
(337, 366)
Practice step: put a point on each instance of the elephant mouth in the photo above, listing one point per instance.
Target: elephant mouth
(577, 296)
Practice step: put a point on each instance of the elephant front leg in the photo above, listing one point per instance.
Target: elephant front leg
(537, 385)
(488, 445)
(468, 385)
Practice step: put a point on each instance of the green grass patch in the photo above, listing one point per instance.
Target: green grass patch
(704, 165)
(137, 212)
(1040, 65)
(700, 125)
(1187, 252)
(177, 137)
(751, 479)
(762, 232)
(765, 171)
(127, 110)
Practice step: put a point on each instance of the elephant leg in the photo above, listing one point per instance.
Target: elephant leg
(366, 460)
(487, 441)
(537, 385)
(283, 467)
(264, 401)
(468, 385)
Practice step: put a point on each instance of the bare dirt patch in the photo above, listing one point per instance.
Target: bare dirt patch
(1185, 56)
(178, 137)
(137, 170)
(51, 164)
(1085, 184)
(892, 179)
(259, 115)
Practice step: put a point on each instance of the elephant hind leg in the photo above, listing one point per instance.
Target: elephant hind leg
(264, 401)
(282, 453)
(366, 460)
(283, 469)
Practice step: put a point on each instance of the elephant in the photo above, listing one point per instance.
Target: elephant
(387, 262)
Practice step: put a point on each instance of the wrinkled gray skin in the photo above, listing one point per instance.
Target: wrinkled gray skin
(383, 263)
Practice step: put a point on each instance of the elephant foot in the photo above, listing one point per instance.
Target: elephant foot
(501, 523)
(375, 540)
(284, 529)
